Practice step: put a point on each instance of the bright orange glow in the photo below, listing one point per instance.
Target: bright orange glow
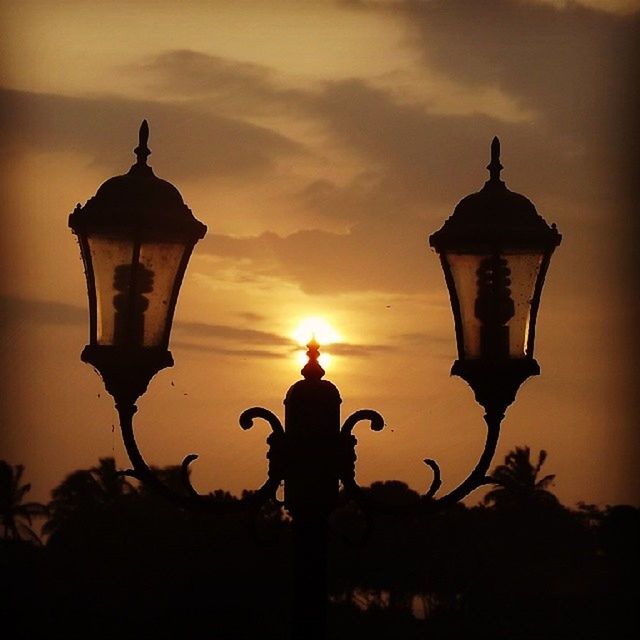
(320, 329)
(325, 359)
(315, 326)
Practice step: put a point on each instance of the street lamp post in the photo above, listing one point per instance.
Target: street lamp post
(136, 236)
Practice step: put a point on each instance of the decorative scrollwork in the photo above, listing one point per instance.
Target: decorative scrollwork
(191, 499)
(184, 474)
(428, 502)
(249, 415)
(347, 456)
(277, 447)
(277, 456)
(376, 420)
(437, 480)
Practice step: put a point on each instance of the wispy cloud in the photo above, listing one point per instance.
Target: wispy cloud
(232, 86)
(192, 142)
(357, 350)
(235, 334)
(376, 255)
(22, 310)
(240, 353)
(572, 64)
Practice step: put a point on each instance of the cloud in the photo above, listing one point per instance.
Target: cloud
(250, 316)
(192, 142)
(409, 156)
(571, 64)
(240, 353)
(574, 68)
(418, 154)
(623, 7)
(356, 350)
(14, 310)
(619, 7)
(234, 334)
(406, 165)
(220, 339)
(406, 150)
(338, 349)
(229, 85)
(20, 310)
(375, 255)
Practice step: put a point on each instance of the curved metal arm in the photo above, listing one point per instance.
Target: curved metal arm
(428, 503)
(478, 477)
(192, 499)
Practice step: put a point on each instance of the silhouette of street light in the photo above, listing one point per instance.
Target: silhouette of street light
(495, 251)
(136, 236)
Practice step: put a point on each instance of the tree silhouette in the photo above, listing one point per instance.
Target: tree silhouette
(86, 491)
(123, 562)
(16, 516)
(518, 483)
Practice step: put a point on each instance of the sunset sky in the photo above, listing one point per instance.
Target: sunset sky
(321, 142)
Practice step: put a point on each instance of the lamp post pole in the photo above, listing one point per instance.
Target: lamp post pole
(312, 428)
(136, 236)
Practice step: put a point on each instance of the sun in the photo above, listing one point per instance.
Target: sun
(320, 329)
(315, 327)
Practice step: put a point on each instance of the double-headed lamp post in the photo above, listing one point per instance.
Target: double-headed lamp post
(136, 236)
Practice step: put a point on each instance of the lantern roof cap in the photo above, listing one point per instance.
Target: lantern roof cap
(495, 218)
(139, 200)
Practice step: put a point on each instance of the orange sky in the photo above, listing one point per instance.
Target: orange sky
(322, 142)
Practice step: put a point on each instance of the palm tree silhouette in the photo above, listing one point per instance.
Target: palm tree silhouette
(16, 516)
(517, 482)
(86, 491)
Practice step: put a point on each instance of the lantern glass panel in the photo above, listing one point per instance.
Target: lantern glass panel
(494, 293)
(134, 285)
(159, 263)
(110, 256)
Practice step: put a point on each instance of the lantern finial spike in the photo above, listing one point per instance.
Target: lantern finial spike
(142, 150)
(494, 166)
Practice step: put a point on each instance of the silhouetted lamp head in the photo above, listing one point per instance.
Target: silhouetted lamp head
(136, 236)
(495, 250)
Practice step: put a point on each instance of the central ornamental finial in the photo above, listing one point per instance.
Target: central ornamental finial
(142, 150)
(494, 166)
(312, 370)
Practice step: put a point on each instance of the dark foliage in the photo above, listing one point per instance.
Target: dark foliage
(16, 515)
(123, 563)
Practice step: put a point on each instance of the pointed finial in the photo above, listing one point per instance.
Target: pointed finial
(494, 166)
(142, 151)
(313, 369)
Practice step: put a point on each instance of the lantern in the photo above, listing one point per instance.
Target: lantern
(495, 251)
(136, 236)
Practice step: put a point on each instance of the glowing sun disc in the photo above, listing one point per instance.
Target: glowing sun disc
(315, 326)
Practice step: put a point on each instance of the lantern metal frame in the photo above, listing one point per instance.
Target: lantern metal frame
(313, 429)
